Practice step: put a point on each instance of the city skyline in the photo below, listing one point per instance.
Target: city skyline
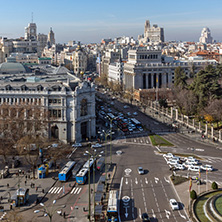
(90, 21)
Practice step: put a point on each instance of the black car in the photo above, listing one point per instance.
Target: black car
(145, 217)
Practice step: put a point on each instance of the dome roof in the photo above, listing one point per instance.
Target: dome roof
(13, 67)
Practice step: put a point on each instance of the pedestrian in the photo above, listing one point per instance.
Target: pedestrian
(43, 191)
(26, 177)
(25, 182)
(36, 189)
(7, 185)
(64, 214)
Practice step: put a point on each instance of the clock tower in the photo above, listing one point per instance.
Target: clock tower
(30, 32)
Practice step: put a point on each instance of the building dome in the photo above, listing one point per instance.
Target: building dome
(13, 67)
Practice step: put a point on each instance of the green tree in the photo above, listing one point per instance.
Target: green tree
(193, 195)
(205, 86)
(180, 78)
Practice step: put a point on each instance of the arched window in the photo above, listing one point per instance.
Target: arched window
(83, 107)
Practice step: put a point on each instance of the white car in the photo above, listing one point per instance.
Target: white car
(168, 155)
(97, 145)
(174, 205)
(207, 167)
(119, 152)
(187, 165)
(172, 162)
(194, 168)
(77, 145)
(179, 167)
(140, 170)
(193, 162)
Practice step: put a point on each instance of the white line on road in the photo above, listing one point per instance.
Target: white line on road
(166, 180)
(136, 181)
(182, 215)
(121, 184)
(73, 190)
(146, 181)
(126, 181)
(154, 216)
(59, 190)
(51, 189)
(140, 213)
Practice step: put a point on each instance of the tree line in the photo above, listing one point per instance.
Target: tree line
(200, 95)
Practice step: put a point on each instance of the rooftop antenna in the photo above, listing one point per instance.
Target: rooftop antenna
(32, 17)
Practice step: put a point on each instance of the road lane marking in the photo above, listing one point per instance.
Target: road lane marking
(59, 190)
(73, 190)
(126, 213)
(166, 180)
(51, 189)
(121, 184)
(156, 179)
(154, 216)
(126, 181)
(167, 214)
(77, 190)
(184, 217)
(146, 181)
(136, 181)
(128, 171)
(126, 199)
(140, 215)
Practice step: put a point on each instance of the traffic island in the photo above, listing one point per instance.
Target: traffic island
(204, 207)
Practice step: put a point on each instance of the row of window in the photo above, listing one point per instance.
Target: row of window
(20, 100)
(152, 56)
(55, 113)
(54, 101)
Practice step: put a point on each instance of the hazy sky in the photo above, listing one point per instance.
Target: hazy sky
(91, 20)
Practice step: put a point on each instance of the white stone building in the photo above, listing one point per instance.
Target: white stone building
(206, 36)
(70, 102)
(146, 68)
(116, 72)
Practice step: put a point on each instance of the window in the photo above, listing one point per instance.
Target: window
(83, 107)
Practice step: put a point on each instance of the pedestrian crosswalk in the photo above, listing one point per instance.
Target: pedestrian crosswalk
(58, 190)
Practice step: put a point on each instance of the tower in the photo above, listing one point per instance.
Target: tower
(30, 31)
(51, 37)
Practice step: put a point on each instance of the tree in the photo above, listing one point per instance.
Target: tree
(163, 103)
(205, 86)
(180, 78)
(214, 111)
(193, 195)
(214, 186)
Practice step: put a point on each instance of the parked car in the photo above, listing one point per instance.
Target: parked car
(145, 217)
(174, 205)
(97, 145)
(125, 107)
(207, 167)
(187, 164)
(194, 168)
(77, 145)
(179, 167)
(192, 161)
(172, 162)
(135, 113)
(140, 170)
(168, 155)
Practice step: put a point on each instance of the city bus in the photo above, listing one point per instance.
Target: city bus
(77, 167)
(136, 123)
(112, 209)
(66, 171)
(100, 163)
(82, 175)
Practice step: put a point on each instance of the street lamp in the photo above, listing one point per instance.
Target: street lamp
(93, 156)
(48, 212)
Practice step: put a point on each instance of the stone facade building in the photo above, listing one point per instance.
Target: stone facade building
(70, 102)
(146, 68)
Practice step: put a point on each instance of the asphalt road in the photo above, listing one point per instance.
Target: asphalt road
(144, 193)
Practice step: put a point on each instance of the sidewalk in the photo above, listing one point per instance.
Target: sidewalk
(182, 191)
(37, 189)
